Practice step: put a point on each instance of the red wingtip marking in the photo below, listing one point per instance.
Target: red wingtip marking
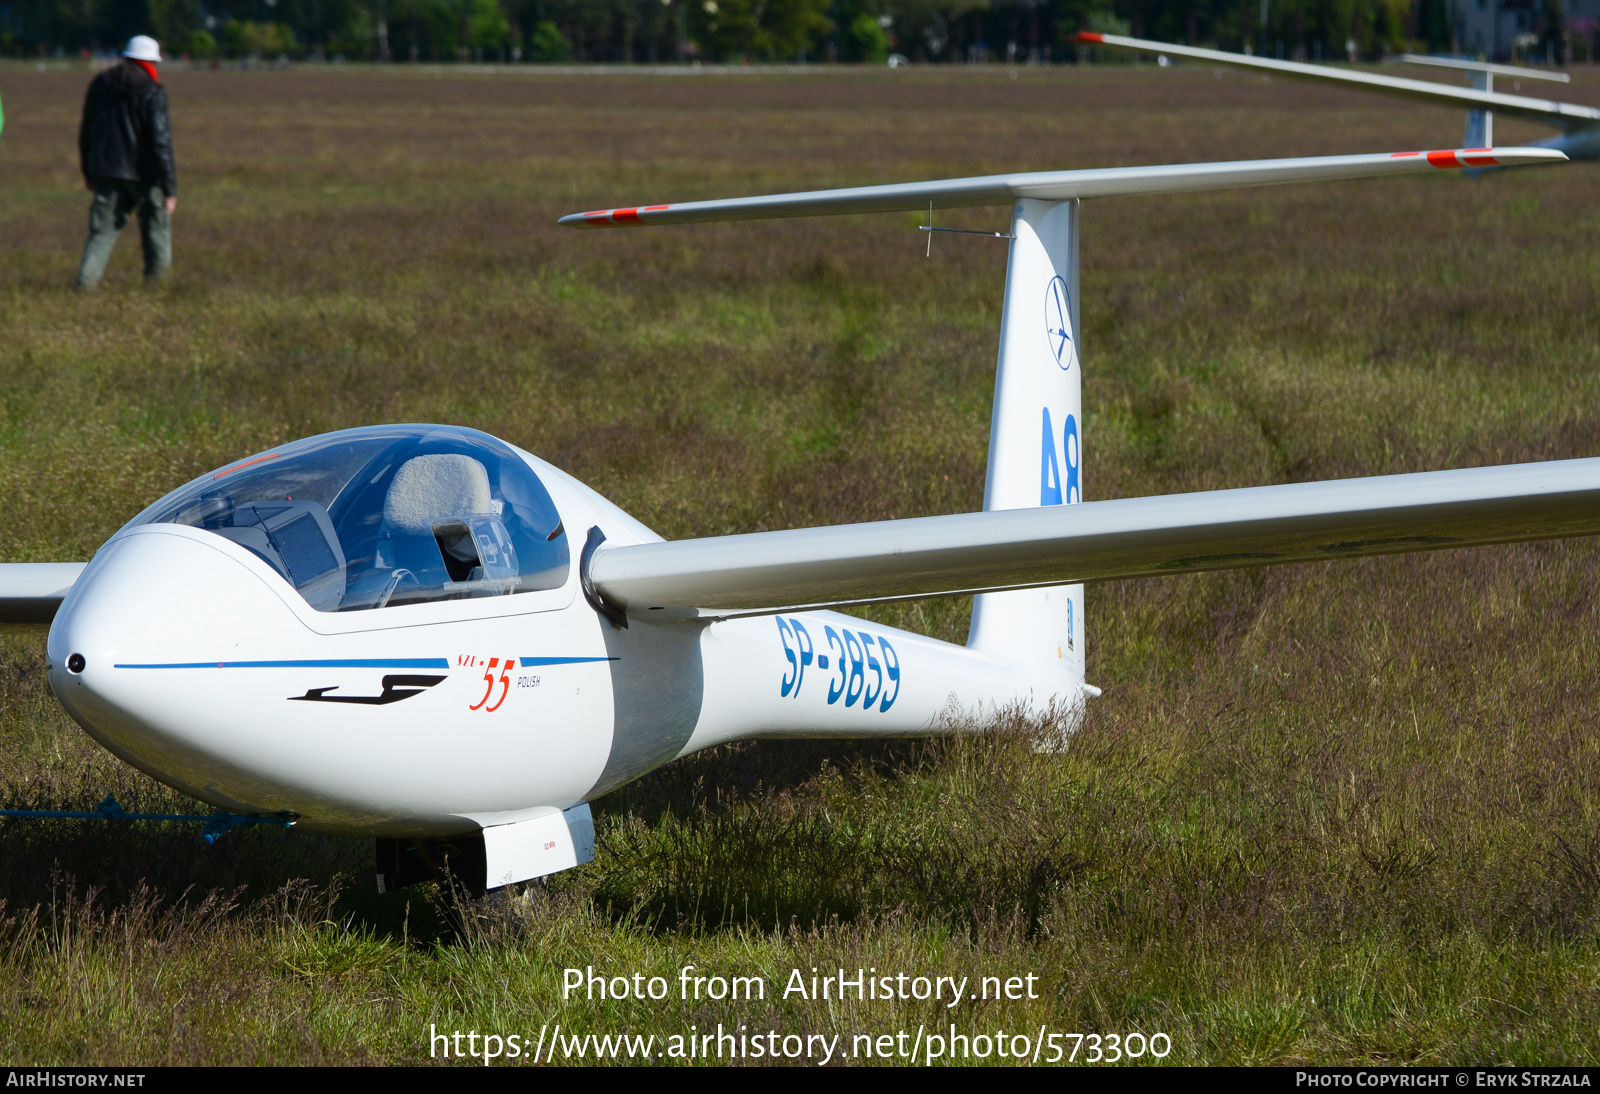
(654, 208)
(1403, 155)
(1444, 159)
(1090, 36)
(620, 216)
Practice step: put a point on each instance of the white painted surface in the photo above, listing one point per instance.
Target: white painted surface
(532, 848)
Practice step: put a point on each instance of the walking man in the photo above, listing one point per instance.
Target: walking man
(125, 149)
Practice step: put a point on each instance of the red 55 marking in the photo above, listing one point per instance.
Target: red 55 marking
(490, 680)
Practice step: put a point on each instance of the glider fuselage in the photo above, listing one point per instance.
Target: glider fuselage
(203, 667)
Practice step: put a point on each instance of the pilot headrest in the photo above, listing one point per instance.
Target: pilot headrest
(431, 488)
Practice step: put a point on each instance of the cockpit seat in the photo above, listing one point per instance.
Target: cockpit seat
(441, 524)
(431, 488)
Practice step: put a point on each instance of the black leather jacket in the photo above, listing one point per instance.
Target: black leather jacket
(125, 132)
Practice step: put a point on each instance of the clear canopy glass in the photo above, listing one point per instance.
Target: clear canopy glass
(383, 516)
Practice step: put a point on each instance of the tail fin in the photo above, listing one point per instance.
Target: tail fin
(1480, 99)
(1580, 141)
(1480, 123)
(1036, 441)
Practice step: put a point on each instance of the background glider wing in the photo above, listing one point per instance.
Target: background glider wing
(30, 592)
(1517, 72)
(1062, 186)
(1545, 111)
(1094, 541)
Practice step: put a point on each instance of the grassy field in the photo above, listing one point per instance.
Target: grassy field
(1323, 813)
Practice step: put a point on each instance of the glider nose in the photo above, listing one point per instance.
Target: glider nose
(154, 599)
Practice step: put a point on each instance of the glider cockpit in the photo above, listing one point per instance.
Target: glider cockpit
(387, 515)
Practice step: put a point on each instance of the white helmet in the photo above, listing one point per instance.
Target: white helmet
(142, 47)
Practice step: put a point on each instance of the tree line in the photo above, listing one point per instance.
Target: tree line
(757, 31)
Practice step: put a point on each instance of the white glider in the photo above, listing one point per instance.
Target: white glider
(422, 634)
(1579, 125)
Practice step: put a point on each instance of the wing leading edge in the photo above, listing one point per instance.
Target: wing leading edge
(1062, 186)
(1561, 115)
(30, 592)
(1097, 541)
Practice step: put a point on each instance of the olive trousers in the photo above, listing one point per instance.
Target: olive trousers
(115, 200)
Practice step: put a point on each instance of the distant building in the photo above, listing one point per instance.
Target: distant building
(1492, 28)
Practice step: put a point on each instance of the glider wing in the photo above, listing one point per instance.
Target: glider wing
(1062, 186)
(1097, 541)
(1545, 111)
(30, 592)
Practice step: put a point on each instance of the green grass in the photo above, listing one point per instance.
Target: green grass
(1326, 813)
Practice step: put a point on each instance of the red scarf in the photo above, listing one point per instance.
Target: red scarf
(148, 67)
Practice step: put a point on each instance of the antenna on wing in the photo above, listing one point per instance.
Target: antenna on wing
(930, 229)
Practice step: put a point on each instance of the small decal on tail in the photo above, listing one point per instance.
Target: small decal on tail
(1058, 321)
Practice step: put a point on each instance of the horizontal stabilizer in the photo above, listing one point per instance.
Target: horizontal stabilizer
(1518, 72)
(30, 592)
(1545, 111)
(1062, 186)
(1096, 541)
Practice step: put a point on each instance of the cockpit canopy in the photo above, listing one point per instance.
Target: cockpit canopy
(383, 516)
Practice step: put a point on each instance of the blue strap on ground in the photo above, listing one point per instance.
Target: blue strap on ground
(217, 825)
